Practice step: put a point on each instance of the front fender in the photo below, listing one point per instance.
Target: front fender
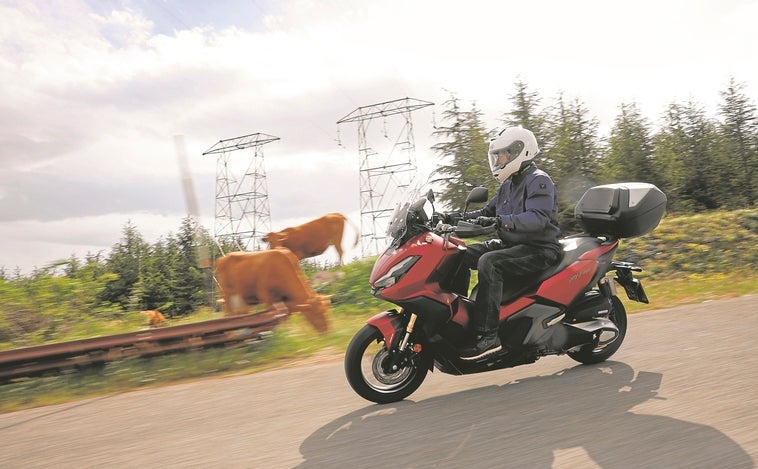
(390, 323)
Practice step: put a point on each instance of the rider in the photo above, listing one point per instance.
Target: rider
(525, 213)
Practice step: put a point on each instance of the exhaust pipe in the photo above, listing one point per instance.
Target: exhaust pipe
(604, 331)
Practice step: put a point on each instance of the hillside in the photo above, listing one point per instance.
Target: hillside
(696, 245)
(720, 248)
(687, 260)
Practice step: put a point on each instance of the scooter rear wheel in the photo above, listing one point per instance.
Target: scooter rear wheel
(364, 358)
(588, 355)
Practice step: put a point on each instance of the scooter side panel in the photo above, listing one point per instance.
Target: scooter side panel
(567, 284)
(514, 307)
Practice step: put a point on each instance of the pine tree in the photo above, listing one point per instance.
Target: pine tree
(630, 150)
(739, 131)
(189, 280)
(574, 152)
(465, 154)
(526, 112)
(125, 261)
(573, 157)
(155, 286)
(687, 155)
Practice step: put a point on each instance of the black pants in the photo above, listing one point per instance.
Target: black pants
(499, 264)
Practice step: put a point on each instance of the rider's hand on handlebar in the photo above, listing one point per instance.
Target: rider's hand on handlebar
(452, 218)
(487, 221)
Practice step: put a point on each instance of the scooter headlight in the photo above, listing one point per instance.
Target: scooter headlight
(396, 272)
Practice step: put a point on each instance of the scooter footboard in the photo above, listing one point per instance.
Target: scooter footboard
(390, 323)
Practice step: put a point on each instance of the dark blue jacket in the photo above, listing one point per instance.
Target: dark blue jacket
(527, 205)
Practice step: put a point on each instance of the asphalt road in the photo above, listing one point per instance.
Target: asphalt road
(681, 393)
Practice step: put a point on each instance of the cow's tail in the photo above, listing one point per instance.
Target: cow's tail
(357, 232)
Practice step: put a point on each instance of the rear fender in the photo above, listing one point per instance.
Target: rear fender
(390, 323)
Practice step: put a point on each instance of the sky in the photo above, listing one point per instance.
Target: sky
(94, 92)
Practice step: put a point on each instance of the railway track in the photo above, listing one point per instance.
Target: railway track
(52, 358)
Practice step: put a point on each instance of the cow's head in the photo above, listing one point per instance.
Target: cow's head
(275, 239)
(154, 317)
(316, 311)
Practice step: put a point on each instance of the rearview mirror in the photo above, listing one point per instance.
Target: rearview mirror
(430, 196)
(477, 195)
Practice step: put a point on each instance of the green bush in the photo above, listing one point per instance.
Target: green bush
(714, 242)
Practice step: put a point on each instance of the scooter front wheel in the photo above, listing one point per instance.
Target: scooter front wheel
(366, 362)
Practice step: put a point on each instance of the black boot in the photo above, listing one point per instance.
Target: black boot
(486, 344)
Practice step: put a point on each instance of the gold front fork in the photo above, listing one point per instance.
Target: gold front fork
(408, 331)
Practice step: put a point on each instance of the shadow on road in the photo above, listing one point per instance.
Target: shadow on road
(521, 424)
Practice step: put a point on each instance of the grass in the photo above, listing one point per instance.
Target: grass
(694, 288)
(292, 343)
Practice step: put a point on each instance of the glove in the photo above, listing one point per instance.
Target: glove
(452, 218)
(492, 244)
(487, 221)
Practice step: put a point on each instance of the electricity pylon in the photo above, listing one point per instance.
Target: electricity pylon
(383, 175)
(242, 210)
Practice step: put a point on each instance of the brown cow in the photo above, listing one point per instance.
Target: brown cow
(269, 278)
(153, 318)
(312, 238)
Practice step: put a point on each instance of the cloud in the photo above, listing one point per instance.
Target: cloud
(44, 196)
(331, 188)
(94, 91)
(37, 244)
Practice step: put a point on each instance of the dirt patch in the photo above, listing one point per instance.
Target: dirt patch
(20, 322)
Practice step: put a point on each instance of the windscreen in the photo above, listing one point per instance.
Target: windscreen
(397, 226)
(420, 211)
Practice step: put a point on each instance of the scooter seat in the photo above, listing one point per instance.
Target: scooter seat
(573, 248)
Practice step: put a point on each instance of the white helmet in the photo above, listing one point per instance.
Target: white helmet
(512, 149)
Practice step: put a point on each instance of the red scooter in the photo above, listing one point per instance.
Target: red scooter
(571, 309)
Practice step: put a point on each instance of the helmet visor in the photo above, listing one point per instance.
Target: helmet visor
(503, 156)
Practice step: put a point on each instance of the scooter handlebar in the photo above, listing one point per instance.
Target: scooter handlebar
(466, 229)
